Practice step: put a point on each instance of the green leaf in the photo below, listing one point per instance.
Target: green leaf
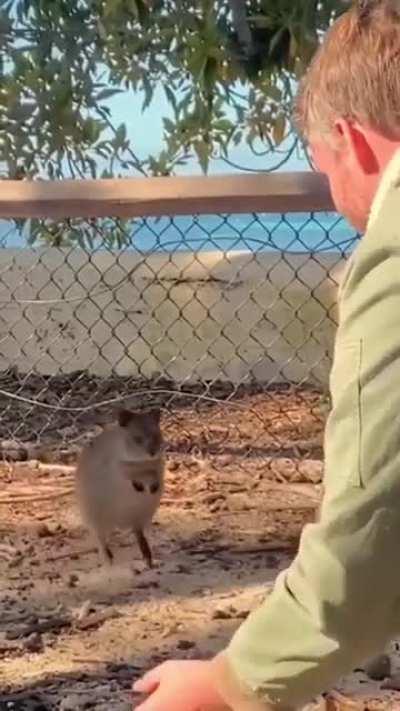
(275, 93)
(170, 97)
(111, 7)
(210, 73)
(224, 125)
(92, 130)
(21, 112)
(279, 129)
(107, 94)
(169, 125)
(202, 151)
(274, 43)
(120, 136)
(148, 94)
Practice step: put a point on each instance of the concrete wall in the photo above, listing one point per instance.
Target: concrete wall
(189, 317)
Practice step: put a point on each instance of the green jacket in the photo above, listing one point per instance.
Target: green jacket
(339, 602)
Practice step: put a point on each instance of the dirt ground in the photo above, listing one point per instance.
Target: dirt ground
(241, 484)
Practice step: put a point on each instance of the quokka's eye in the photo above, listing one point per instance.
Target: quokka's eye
(138, 486)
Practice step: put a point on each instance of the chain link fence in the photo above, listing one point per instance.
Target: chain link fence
(226, 321)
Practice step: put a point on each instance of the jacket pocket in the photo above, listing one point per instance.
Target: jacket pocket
(343, 432)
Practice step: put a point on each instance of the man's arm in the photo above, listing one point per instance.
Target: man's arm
(339, 602)
(329, 612)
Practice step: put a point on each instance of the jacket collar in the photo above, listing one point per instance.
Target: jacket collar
(387, 196)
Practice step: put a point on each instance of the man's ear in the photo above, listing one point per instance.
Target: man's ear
(358, 149)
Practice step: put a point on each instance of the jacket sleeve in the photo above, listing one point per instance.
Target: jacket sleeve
(338, 603)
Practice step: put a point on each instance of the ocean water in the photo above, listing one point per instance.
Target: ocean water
(292, 232)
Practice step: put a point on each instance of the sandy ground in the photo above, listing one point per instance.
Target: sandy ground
(73, 635)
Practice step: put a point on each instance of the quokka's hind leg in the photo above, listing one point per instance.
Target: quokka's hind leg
(144, 547)
(103, 547)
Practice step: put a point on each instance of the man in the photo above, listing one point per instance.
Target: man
(339, 602)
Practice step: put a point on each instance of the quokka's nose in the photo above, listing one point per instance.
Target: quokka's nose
(153, 446)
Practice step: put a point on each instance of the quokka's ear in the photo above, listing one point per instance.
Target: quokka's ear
(125, 417)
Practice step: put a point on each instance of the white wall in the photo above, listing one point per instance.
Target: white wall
(187, 316)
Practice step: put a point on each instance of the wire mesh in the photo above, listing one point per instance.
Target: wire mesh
(226, 321)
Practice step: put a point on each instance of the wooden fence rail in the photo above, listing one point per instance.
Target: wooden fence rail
(151, 197)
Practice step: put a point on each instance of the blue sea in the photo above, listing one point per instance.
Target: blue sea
(292, 232)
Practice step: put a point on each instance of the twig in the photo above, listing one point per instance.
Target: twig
(31, 499)
(251, 550)
(97, 618)
(288, 154)
(280, 477)
(70, 554)
(56, 623)
(33, 463)
(80, 660)
(78, 554)
(175, 502)
(278, 509)
(136, 393)
(63, 300)
(6, 552)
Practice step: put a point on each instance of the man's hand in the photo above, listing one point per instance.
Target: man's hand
(180, 686)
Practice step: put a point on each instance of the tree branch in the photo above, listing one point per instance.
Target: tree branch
(242, 29)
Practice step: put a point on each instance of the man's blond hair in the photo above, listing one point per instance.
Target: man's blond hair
(356, 72)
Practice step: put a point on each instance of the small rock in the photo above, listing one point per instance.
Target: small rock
(218, 430)
(123, 668)
(185, 644)
(25, 703)
(378, 668)
(55, 528)
(214, 508)
(147, 585)
(214, 498)
(16, 560)
(225, 460)
(220, 614)
(311, 470)
(13, 451)
(85, 609)
(242, 614)
(172, 629)
(183, 569)
(98, 618)
(75, 702)
(392, 684)
(42, 530)
(198, 462)
(33, 643)
(73, 580)
(7, 646)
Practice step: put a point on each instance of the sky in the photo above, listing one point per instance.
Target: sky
(146, 129)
